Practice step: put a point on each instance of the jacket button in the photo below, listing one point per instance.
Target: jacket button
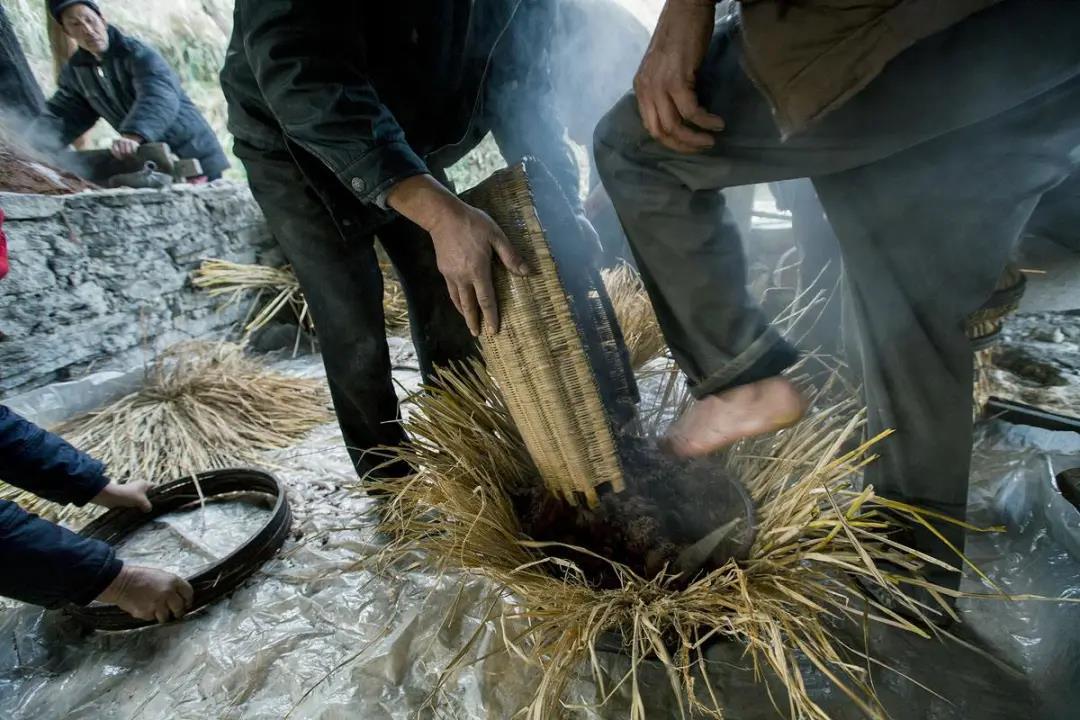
(358, 184)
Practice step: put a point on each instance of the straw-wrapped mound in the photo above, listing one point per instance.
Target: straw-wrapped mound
(236, 281)
(816, 531)
(203, 406)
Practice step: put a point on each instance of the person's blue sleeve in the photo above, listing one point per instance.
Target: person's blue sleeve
(45, 564)
(46, 464)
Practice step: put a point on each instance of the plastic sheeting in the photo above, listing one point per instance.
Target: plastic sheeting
(317, 634)
(186, 541)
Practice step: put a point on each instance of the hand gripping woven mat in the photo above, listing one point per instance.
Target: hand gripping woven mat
(559, 357)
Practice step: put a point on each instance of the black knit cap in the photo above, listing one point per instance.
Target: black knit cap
(57, 7)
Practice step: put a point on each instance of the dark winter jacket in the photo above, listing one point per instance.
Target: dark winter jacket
(137, 93)
(43, 563)
(375, 92)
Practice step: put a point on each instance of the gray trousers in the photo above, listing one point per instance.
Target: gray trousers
(928, 177)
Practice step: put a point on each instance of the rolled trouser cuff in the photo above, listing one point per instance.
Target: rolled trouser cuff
(766, 357)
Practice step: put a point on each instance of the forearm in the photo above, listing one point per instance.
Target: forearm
(47, 565)
(423, 200)
(46, 464)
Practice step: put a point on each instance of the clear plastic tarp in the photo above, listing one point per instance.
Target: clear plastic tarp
(317, 633)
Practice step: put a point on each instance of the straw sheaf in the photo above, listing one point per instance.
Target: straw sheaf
(203, 406)
(538, 358)
(235, 281)
(817, 531)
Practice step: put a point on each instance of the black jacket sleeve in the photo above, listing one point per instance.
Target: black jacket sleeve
(323, 98)
(521, 102)
(67, 115)
(48, 565)
(157, 96)
(46, 464)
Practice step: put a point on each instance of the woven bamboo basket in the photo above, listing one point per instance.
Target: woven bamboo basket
(559, 356)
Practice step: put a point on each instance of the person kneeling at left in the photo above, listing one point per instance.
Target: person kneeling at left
(48, 565)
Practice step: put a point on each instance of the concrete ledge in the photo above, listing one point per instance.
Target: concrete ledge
(17, 206)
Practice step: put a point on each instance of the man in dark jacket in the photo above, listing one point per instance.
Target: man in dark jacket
(930, 130)
(118, 78)
(45, 564)
(346, 116)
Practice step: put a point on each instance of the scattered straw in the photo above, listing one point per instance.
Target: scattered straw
(635, 315)
(203, 406)
(236, 281)
(817, 530)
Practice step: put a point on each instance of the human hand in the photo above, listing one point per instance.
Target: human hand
(464, 239)
(149, 594)
(132, 494)
(124, 147)
(665, 81)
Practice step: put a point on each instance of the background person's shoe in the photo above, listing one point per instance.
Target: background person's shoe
(158, 153)
(148, 177)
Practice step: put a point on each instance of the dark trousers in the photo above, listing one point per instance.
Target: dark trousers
(1058, 214)
(340, 276)
(819, 329)
(928, 177)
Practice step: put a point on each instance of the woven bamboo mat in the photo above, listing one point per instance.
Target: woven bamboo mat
(541, 355)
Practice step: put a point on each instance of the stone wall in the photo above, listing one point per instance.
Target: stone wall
(101, 279)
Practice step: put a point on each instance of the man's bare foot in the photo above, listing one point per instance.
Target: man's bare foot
(720, 420)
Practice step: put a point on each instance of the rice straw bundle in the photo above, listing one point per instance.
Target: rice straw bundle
(817, 531)
(204, 406)
(641, 331)
(236, 280)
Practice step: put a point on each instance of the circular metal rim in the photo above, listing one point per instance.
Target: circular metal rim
(215, 581)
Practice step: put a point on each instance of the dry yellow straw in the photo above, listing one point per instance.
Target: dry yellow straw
(634, 312)
(204, 406)
(236, 280)
(818, 530)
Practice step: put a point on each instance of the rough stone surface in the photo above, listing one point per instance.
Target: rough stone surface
(1038, 362)
(101, 279)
